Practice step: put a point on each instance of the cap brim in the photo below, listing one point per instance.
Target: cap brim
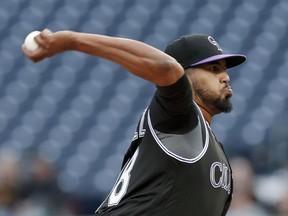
(232, 60)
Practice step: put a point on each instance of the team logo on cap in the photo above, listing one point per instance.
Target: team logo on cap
(212, 41)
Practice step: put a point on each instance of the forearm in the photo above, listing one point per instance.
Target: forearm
(138, 58)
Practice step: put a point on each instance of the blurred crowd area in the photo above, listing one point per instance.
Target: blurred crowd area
(30, 188)
(258, 195)
(33, 190)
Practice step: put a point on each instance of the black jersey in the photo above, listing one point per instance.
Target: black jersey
(175, 165)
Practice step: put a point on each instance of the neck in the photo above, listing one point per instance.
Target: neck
(206, 114)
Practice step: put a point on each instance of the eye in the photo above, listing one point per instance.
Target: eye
(214, 68)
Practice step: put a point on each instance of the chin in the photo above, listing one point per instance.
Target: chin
(225, 105)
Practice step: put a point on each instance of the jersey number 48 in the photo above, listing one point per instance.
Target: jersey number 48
(120, 188)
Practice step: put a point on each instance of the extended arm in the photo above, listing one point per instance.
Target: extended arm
(136, 57)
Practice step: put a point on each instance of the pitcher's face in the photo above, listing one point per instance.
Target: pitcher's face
(211, 89)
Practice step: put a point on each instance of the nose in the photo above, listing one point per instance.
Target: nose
(225, 77)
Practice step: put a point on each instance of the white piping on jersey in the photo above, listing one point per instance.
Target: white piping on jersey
(177, 157)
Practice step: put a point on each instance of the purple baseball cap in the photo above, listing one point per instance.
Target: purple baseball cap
(193, 50)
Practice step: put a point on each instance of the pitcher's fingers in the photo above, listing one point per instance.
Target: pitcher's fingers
(40, 40)
(43, 38)
(35, 56)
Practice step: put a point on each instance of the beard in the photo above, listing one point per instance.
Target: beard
(221, 104)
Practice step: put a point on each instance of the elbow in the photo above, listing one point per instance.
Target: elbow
(169, 71)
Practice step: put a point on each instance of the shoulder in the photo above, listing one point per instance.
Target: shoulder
(172, 109)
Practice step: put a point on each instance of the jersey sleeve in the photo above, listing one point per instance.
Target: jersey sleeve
(172, 108)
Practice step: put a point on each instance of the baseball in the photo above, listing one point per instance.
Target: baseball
(30, 43)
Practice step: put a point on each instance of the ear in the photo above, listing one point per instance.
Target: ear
(188, 73)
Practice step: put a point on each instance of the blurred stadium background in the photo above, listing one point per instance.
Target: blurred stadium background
(74, 115)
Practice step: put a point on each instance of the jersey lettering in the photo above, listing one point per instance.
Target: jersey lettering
(224, 181)
(120, 188)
